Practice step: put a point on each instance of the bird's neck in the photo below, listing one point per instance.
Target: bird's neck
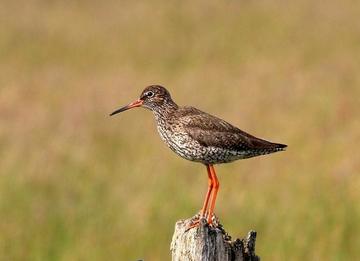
(164, 111)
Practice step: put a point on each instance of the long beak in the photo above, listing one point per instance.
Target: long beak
(134, 104)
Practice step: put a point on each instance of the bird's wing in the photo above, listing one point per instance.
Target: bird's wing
(211, 131)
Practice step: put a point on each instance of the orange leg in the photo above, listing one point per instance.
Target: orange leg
(204, 209)
(208, 193)
(216, 185)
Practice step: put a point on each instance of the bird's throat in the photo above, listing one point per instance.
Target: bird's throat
(164, 111)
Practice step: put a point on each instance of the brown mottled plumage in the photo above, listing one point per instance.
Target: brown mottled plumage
(198, 136)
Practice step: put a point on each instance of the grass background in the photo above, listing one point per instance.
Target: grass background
(78, 185)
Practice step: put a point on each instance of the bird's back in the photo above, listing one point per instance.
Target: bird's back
(199, 136)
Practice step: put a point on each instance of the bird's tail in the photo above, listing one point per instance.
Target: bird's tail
(279, 147)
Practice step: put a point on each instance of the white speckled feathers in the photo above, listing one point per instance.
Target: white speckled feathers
(198, 136)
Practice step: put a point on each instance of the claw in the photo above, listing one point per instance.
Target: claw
(213, 221)
(196, 223)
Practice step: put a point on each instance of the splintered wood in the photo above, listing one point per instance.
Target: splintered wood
(210, 243)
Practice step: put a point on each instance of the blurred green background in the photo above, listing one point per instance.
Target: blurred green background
(76, 184)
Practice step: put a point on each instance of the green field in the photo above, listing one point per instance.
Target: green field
(76, 184)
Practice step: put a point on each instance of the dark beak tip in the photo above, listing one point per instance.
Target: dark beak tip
(115, 112)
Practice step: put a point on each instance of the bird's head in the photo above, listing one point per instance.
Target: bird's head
(153, 97)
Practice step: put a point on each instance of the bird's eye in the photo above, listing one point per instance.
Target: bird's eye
(149, 94)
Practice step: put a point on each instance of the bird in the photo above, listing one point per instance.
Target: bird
(200, 137)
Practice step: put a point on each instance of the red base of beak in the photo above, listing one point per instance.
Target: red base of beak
(134, 104)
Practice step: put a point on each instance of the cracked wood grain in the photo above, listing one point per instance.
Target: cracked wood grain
(210, 243)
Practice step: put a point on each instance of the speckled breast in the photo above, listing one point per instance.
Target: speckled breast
(179, 141)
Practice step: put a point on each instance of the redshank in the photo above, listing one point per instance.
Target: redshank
(198, 136)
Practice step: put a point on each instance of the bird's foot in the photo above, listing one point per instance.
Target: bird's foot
(192, 225)
(211, 221)
(195, 221)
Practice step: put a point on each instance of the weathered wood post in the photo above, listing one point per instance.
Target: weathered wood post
(205, 243)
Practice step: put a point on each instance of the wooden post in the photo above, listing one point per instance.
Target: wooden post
(205, 243)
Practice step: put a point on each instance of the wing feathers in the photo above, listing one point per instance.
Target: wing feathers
(209, 130)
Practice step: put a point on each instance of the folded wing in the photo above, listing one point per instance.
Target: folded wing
(211, 131)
